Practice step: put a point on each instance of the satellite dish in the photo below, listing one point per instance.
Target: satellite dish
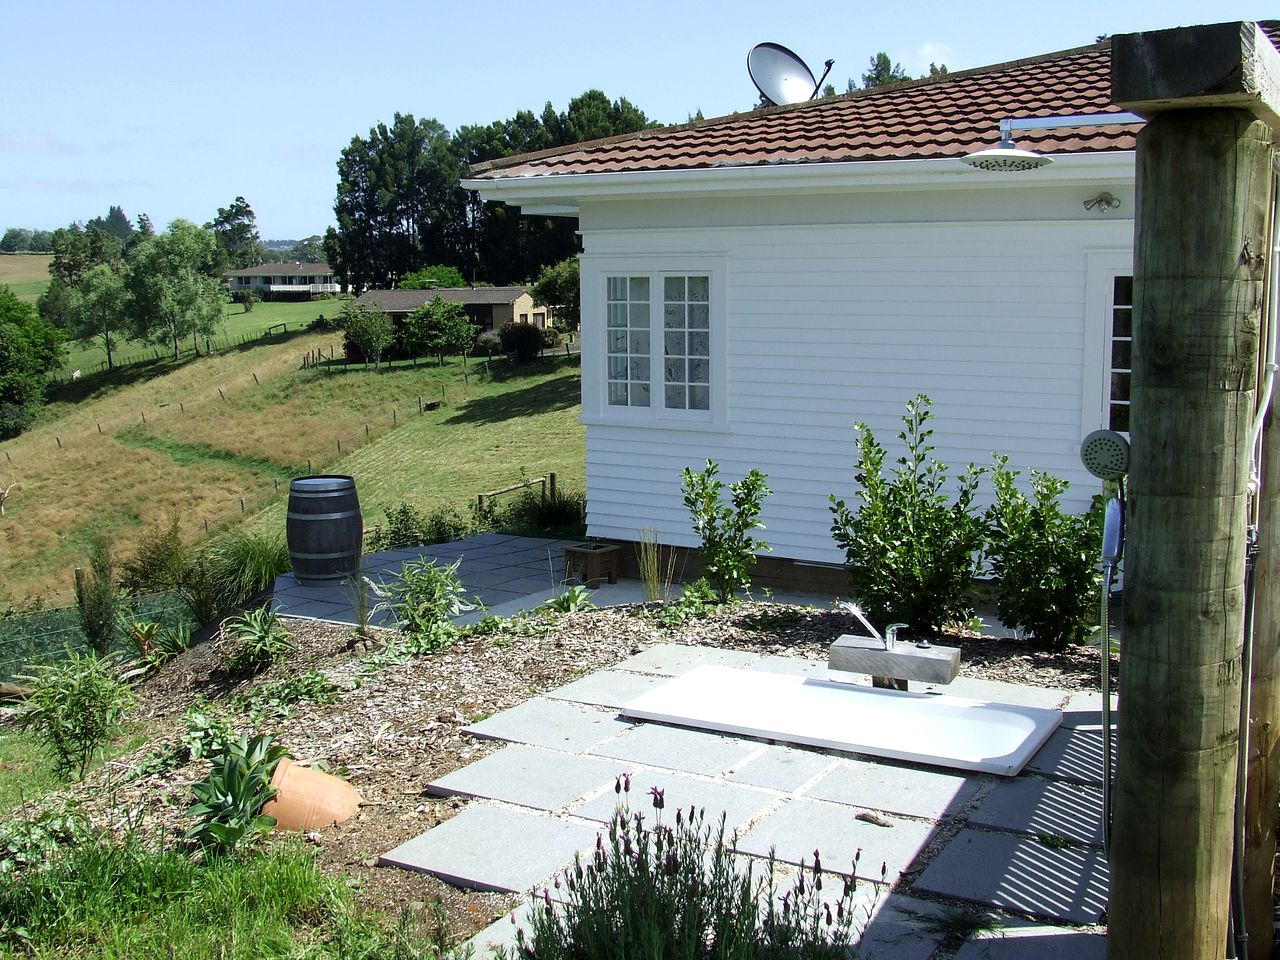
(781, 76)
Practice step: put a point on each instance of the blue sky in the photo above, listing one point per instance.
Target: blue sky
(173, 109)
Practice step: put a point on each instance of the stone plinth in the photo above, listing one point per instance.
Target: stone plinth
(905, 661)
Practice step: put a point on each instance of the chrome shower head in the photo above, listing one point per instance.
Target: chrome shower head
(1006, 158)
(1105, 454)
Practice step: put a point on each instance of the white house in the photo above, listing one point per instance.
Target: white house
(754, 285)
(285, 281)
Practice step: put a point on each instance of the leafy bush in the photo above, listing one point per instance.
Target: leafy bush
(97, 598)
(697, 600)
(728, 549)
(406, 527)
(676, 892)
(14, 418)
(153, 643)
(276, 699)
(158, 561)
(1045, 561)
(488, 343)
(246, 299)
(551, 338)
(31, 844)
(209, 731)
(521, 340)
(561, 513)
(572, 600)
(425, 597)
(76, 707)
(229, 801)
(260, 640)
(235, 567)
(911, 552)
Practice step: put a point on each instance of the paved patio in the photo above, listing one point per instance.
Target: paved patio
(1027, 849)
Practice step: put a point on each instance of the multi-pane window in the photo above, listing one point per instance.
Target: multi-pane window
(686, 342)
(627, 341)
(1121, 365)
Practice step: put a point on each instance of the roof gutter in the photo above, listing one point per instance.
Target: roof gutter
(563, 194)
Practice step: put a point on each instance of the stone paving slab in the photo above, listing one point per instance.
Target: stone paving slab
(672, 659)
(739, 804)
(606, 688)
(802, 825)
(1021, 874)
(1071, 754)
(1039, 807)
(556, 724)
(677, 748)
(913, 791)
(530, 777)
(1084, 709)
(793, 666)
(782, 768)
(487, 847)
(893, 931)
(1036, 942)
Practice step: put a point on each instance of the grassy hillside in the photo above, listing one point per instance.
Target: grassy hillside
(196, 440)
(26, 274)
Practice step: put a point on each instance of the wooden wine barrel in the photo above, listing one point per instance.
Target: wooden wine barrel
(324, 529)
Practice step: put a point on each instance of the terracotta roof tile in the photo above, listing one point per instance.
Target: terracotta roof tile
(935, 118)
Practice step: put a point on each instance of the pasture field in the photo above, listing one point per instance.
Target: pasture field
(26, 274)
(198, 439)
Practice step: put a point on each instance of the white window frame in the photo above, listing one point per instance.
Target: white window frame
(596, 409)
(1101, 269)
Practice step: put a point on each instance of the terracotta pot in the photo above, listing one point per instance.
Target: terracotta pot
(306, 799)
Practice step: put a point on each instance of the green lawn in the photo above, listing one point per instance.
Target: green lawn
(25, 769)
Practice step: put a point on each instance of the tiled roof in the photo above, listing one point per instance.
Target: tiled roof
(406, 301)
(281, 270)
(935, 118)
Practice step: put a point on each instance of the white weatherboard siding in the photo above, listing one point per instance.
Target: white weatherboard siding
(830, 324)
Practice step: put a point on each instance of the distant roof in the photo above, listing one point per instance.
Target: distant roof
(406, 301)
(281, 270)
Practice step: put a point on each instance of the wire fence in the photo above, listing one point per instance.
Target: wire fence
(47, 636)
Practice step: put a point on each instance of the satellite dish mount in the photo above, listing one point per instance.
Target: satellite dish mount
(781, 76)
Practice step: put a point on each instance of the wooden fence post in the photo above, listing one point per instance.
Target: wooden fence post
(1203, 185)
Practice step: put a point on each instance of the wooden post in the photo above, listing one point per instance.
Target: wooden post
(1203, 186)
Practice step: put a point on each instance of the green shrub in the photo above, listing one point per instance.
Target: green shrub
(677, 893)
(275, 700)
(209, 731)
(158, 560)
(728, 549)
(912, 553)
(31, 844)
(697, 600)
(153, 643)
(488, 343)
(97, 598)
(229, 801)
(562, 513)
(260, 640)
(551, 338)
(424, 598)
(1045, 562)
(76, 706)
(572, 600)
(406, 527)
(521, 340)
(244, 563)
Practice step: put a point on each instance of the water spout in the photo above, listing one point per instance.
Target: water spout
(855, 611)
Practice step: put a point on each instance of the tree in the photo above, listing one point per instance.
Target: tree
(115, 223)
(440, 327)
(29, 349)
(310, 250)
(558, 286)
(882, 71)
(937, 70)
(76, 249)
(173, 288)
(15, 239)
(98, 309)
(236, 230)
(41, 241)
(430, 277)
(369, 330)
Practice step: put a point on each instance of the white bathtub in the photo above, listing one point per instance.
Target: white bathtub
(947, 731)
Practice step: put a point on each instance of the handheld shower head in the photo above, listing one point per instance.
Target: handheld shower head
(1105, 454)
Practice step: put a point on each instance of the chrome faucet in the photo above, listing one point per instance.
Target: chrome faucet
(891, 634)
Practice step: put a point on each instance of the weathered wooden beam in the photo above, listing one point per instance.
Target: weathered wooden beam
(1221, 65)
(1203, 184)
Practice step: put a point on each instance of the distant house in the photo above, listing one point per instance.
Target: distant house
(488, 307)
(754, 285)
(285, 281)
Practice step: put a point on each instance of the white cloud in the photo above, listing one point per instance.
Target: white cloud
(37, 142)
(935, 52)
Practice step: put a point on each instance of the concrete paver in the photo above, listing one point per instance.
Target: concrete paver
(1071, 754)
(782, 768)
(739, 804)
(896, 788)
(801, 826)
(551, 723)
(1036, 942)
(678, 748)
(997, 691)
(672, 660)
(606, 688)
(487, 847)
(1044, 807)
(529, 776)
(1022, 874)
